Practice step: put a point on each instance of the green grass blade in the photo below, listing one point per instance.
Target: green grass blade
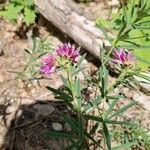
(117, 122)
(65, 82)
(58, 134)
(78, 94)
(111, 106)
(95, 118)
(107, 136)
(70, 121)
(92, 139)
(92, 104)
(123, 109)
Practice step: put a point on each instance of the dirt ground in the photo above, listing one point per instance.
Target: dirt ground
(27, 109)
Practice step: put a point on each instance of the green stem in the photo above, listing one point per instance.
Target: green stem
(103, 63)
(121, 76)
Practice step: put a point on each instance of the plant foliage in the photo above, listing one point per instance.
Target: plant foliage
(17, 7)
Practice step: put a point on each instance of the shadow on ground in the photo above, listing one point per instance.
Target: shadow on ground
(27, 128)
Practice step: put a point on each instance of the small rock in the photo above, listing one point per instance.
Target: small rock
(19, 113)
(56, 126)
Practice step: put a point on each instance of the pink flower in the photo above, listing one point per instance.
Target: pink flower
(48, 66)
(123, 58)
(69, 51)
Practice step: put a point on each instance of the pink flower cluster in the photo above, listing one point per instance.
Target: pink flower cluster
(48, 64)
(123, 58)
(66, 51)
(69, 51)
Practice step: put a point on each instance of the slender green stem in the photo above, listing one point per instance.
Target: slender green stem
(121, 76)
(110, 51)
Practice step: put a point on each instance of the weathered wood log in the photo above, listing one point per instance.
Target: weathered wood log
(68, 17)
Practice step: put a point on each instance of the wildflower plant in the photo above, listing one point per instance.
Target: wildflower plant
(40, 47)
(66, 57)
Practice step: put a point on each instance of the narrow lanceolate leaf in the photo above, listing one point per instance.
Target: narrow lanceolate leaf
(144, 76)
(71, 122)
(103, 80)
(92, 104)
(81, 127)
(92, 139)
(26, 50)
(107, 136)
(123, 109)
(117, 122)
(65, 82)
(78, 94)
(92, 131)
(95, 118)
(76, 71)
(110, 109)
(59, 94)
(81, 59)
(58, 134)
(115, 97)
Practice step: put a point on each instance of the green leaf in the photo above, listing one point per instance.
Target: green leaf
(111, 106)
(77, 67)
(78, 94)
(107, 136)
(92, 139)
(11, 12)
(117, 122)
(123, 109)
(81, 127)
(103, 80)
(144, 76)
(95, 118)
(71, 122)
(29, 16)
(81, 59)
(59, 94)
(92, 131)
(76, 71)
(92, 104)
(58, 134)
(102, 21)
(28, 3)
(65, 82)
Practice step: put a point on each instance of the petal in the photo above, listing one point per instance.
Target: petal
(122, 56)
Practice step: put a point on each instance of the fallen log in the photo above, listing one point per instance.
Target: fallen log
(69, 18)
